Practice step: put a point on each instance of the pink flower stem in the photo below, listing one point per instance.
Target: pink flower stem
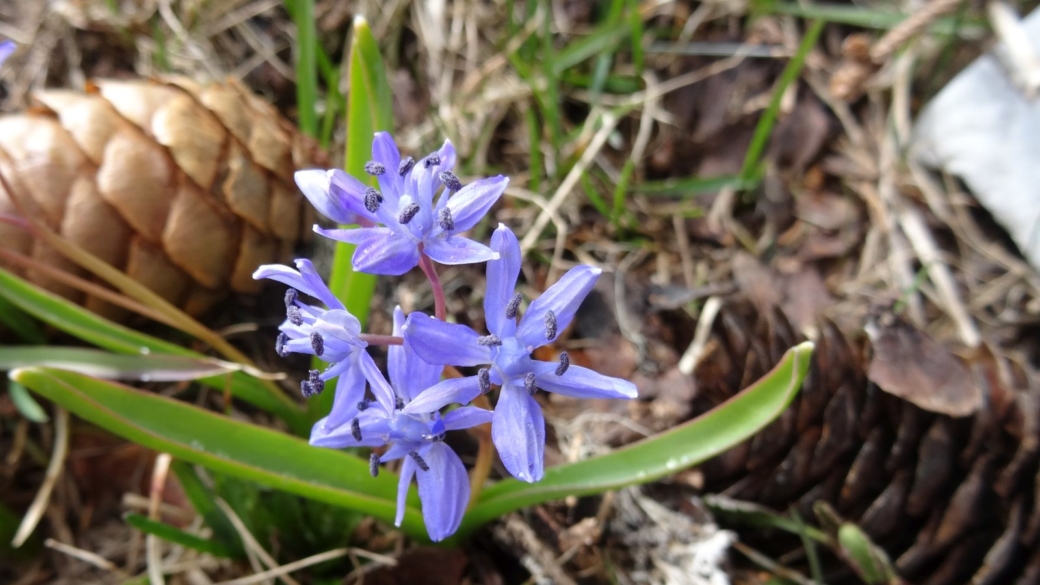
(373, 339)
(439, 309)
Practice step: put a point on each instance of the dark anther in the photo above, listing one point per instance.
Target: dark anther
(513, 306)
(445, 220)
(398, 403)
(306, 389)
(431, 160)
(565, 362)
(355, 429)
(317, 343)
(419, 460)
(362, 405)
(529, 383)
(293, 313)
(451, 182)
(290, 297)
(279, 345)
(406, 165)
(408, 213)
(317, 384)
(489, 340)
(372, 200)
(373, 465)
(484, 380)
(550, 325)
(375, 169)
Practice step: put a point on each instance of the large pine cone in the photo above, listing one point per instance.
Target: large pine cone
(185, 187)
(952, 500)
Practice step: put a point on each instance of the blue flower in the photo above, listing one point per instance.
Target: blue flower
(518, 428)
(401, 218)
(397, 418)
(7, 48)
(333, 334)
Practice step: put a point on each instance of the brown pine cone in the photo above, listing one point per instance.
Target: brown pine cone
(951, 499)
(185, 187)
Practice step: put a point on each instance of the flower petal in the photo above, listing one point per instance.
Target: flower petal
(350, 389)
(377, 383)
(582, 382)
(375, 427)
(315, 186)
(408, 468)
(457, 250)
(349, 193)
(450, 391)
(562, 298)
(409, 374)
(473, 201)
(518, 431)
(355, 235)
(442, 343)
(305, 279)
(443, 490)
(501, 282)
(465, 417)
(6, 49)
(391, 256)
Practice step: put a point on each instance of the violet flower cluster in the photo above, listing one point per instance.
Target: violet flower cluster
(403, 224)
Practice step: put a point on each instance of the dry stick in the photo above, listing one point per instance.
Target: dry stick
(906, 30)
(250, 541)
(153, 553)
(54, 467)
(85, 556)
(693, 353)
(311, 560)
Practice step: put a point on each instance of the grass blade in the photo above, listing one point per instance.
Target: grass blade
(113, 366)
(302, 13)
(177, 536)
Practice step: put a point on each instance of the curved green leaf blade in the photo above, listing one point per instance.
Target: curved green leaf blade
(236, 448)
(177, 536)
(97, 330)
(686, 445)
(114, 366)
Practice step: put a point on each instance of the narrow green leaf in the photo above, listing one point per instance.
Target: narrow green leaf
(204, 501)
(225, 445)
(690, 186)
(764, 128)
(306, 65)
(25, 403)
(870, 562)
(97, 330)
(21, 324)
(604, 39)
(177, 536)
(752, 514)
(113, 366)
(686, 445)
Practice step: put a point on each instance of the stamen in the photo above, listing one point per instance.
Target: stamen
(550, 325)
(306, 389)
(513, 306)
(317, 343)
(445, 220)
(451, 182)
(363, 405)
(355, 429)
(374, 168)
(317, 384)
(290, 297)
(419, 460)
(408, 213)
(398, 403)
(373, 465)
(484, 380)
(565, 362)
(431, 160)
(293, 313)
(372, 199)
(529, 384)
(406, 165)
(279, 345)
(489, 340)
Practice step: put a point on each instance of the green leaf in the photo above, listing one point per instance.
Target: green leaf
(302, 12)
(26, 404)
(666, 453)
(97, 330)
(177, 536)
(869, 561)
(204, 501)
(225, 445)
(691, 186)
(22, 325)
(114, 366)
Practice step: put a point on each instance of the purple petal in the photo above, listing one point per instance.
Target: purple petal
(6, 49)
(450, 391)
(457, 250)
(501, 282)
(409, 374)
(473, 201)
(349, 194)
(316, 187)
(374, 428)
(306, 280)
(380, 389)
(442, 343)
(408, 468)
(350, 389)
(340, 330)
(443, 490)
(518, 431)
(355, 236)
(396, 451)
(582, 382)
(563, 299)
(465, 417)
(392, 256)
(448, 157)
(385, 152)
